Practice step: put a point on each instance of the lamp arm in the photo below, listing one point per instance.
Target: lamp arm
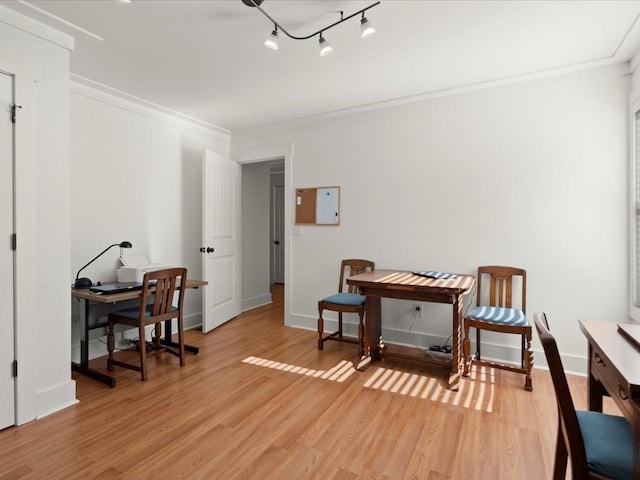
(342, 19)
(95, 258)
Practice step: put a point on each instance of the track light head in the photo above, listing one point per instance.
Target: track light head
(325, 47)
(366, 29)
(272, 40)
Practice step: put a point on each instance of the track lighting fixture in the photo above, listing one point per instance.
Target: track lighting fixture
(366, 29)
(272, 40)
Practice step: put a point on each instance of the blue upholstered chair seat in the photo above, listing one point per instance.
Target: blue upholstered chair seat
(500, 315)
(608, 442)
(346, 299)
(135, 312)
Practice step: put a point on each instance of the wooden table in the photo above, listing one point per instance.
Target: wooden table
(614, 370)
(93, 307)
(407, 286)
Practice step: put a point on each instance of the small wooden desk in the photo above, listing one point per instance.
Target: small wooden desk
(90, 301)
(614, 370)
(407, 286)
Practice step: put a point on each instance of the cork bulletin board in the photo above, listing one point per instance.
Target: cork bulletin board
(318, 206)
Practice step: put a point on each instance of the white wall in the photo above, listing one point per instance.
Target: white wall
(40, 59)
(136, 176)
(531, 175)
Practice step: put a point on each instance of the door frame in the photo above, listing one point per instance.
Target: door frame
(250, 151)
(274, 265)
(25, 312)
(8, 325)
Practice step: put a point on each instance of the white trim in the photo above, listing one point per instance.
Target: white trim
(25, 229)
(64, 24)
(572, 74)
(573, 364)
(255, 302)
(634, 310)
(33, 27)
(111, 96)
(252, 151)
(56, 398)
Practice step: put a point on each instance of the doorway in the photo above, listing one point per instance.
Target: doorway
(263, 238)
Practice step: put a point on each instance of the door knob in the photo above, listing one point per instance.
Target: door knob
(210, 250)
(276, 242)
(206, 250)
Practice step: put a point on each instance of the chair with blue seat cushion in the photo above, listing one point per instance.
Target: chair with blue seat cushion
(497, 312)
(599, 445)
(347, 300)
(158, 303)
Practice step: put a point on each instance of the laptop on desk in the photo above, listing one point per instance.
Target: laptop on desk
(118, 287)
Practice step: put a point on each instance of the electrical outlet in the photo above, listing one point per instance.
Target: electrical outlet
(417, 310)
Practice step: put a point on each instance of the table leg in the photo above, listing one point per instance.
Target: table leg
(595, 390)
(372, 333)
(83, 366)
(167, 342)
(373, 328)
(455, 373)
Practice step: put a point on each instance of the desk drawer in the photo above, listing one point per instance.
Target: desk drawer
(619, 389)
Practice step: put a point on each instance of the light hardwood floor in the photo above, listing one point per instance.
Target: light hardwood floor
(261, 402)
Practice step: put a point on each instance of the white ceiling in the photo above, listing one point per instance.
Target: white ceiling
(206, 59)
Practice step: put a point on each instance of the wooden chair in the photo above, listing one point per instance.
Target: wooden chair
(349, 301)
(156, 306)
(600, 445)
(499, 315)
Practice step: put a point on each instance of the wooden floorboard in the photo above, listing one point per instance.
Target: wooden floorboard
(261, 402)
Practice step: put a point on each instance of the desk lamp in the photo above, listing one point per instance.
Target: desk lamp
(84, 282)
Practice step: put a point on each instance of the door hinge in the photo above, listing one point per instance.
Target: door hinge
(14, 241)
(14, 368)
(14, 107)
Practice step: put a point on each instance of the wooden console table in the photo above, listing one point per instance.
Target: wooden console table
(403, 285)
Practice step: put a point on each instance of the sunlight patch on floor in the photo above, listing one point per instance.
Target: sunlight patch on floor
(476, 392)
(339, 373)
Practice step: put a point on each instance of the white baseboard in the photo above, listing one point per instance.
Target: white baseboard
(575, 365)
(255, 302)
(56, 398)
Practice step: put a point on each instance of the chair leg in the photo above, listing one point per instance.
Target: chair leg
(156, 338)
(320, 329)
(142, 346)
(528, 361)
(478, 356)
(361, 333)
(340, 325)
(466, 350)
(560, 460)
(110, 345)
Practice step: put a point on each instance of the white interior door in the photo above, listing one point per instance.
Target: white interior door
(7, 354)
(220, 239)
(277, 214)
